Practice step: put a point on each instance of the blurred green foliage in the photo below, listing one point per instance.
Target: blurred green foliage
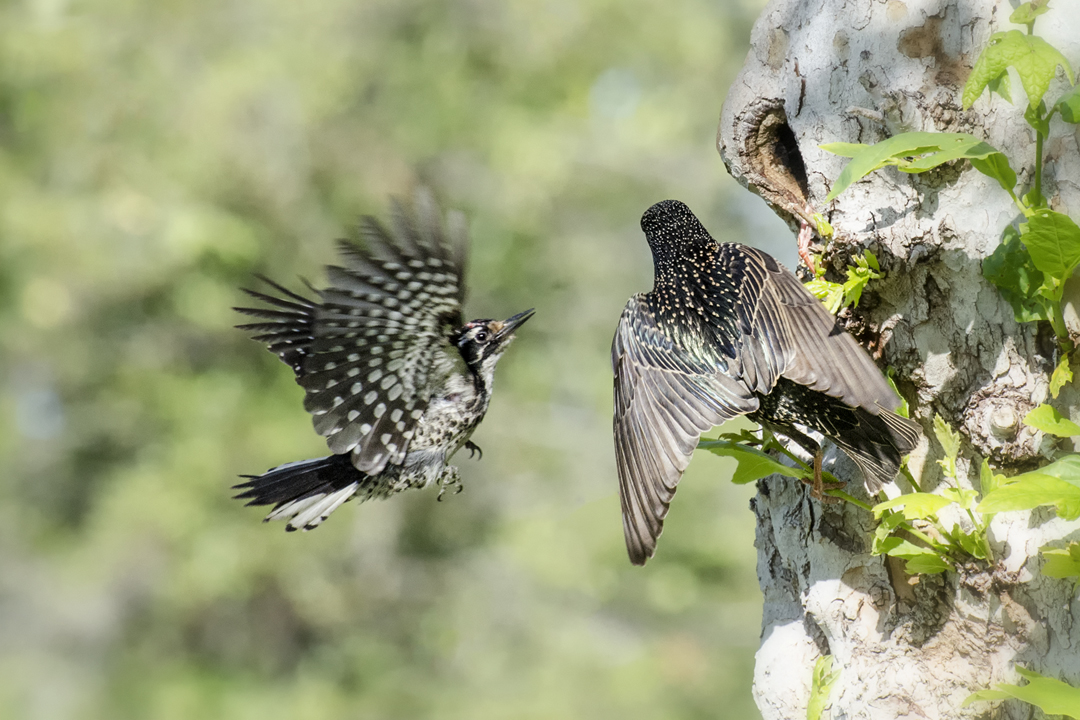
(153, 155)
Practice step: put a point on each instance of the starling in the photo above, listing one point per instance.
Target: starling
(728, 331)
(396, 380)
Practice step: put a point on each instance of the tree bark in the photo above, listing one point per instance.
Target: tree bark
(823, 71)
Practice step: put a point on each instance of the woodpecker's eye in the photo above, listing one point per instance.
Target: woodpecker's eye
(481, 336)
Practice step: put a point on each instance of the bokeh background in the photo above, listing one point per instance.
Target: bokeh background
(153, 156)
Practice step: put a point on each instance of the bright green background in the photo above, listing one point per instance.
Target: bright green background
(153, 155)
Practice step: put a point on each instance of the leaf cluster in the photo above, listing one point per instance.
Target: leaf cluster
(942, 546)
(836, 296)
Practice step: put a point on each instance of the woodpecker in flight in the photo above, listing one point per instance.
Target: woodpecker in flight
(396, 380)
(728, 331)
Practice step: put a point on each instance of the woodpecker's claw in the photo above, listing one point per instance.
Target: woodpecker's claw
(449, 478)
(474, 449)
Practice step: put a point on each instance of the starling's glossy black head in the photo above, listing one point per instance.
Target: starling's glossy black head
(670, 220)
(671, 228)
(482, 342)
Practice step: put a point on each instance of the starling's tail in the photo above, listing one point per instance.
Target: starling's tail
(878, 445)
(304, 493)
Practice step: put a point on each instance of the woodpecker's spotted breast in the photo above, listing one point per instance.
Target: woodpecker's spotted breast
(395, 379)
(728, 331)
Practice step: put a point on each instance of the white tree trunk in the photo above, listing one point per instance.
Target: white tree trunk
(823, 71)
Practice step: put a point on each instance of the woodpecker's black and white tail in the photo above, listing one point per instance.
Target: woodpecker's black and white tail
(303, 493)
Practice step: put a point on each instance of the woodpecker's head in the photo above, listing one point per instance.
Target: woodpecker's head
(482, 342)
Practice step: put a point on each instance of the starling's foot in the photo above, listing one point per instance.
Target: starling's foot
(474, 449)
(819, 486)
(806, 235)
(449, 478)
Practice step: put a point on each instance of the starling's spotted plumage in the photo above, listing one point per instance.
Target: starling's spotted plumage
(728, 331)
(395, 379)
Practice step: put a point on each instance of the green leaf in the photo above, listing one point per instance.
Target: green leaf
(972, 543)
(913, 506)
(843, 149)
(864, 270)
(948, 438)
(1035, 61)
(959, 148)
(1062, 375)
(1011, 269)
(1037, 118)
(1049, 420)
(997, 167)
(753, 463)
(1053, 241)
(939, 147)
(930, 564)
(985, 695)
(1066, 468)
(1069, 106)
(889, 521)
(1001, 86)
(821, 685)
(1062, 562)
(964, 498)
(1026, 13)
(987, 479)
(903, 410)
(1032, 490)
(824, 229)
(1050, 695)
(830, 293)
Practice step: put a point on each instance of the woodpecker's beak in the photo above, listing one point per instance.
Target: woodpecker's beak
(504, 333)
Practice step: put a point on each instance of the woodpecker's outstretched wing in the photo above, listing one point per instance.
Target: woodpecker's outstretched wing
(363, 353)
(664, 400)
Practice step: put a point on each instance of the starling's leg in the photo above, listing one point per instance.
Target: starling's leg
(474, 449)
(447, 479)
(819, 486)
(806, 235)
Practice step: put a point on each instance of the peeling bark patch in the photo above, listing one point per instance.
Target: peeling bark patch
(923, 41)
(778, 48)
(927, 41)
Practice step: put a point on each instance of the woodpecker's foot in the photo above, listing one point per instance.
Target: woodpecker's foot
(449, 478)
(474, 449)
(819, 486)
(806, 236)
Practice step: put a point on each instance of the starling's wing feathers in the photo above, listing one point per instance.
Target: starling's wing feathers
(663, 402)
(368, 346)
(808, 345)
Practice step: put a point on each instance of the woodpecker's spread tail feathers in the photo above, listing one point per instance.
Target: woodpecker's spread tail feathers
(304, 493)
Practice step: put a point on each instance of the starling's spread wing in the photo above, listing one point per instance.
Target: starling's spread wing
(788, 332)
(363, 354)
(664, 400)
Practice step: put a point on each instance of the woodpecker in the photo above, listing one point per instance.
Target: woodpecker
(728, 331)
(395, 379)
